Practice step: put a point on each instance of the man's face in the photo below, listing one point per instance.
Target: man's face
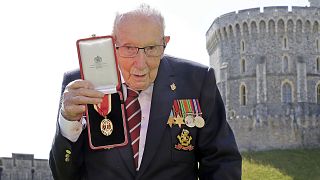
(139, 71)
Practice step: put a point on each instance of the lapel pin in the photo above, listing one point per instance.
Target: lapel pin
(173, 86)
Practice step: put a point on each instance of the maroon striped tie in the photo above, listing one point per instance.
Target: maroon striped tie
(134, 121)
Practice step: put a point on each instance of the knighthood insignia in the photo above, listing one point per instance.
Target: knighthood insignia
(186, 112)
(184, 141)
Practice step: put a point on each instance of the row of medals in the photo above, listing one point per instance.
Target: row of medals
(194, 121)
(191, 121)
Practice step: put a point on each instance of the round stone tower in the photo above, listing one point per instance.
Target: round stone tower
(314, 3)
(267, 65)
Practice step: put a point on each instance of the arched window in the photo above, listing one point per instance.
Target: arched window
(307, 26)
(318, 64)
(286, 93)
(254, 29)
(280, 27)
(271, 27)
(243, 95)
(290, 26)
(243, 65)
(245, 29)
(225, 33)
(315, 27)
(299, 26)
(242, 46)
(285, 64)
(238, 31)
(262, 27)
(318, 94)
(285, 43)
(317, 45)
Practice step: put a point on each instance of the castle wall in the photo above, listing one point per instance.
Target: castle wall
(24, 167)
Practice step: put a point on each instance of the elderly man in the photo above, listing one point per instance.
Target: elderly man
(172, 144)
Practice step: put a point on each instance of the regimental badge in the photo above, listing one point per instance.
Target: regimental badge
(184, 141)
(106, 127)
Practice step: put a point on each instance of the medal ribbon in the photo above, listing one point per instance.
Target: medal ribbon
(190, 110)
(197, 106)
(104, 107)
(175, 108)
(183, 110)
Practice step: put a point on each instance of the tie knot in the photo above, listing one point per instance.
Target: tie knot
(132, 93)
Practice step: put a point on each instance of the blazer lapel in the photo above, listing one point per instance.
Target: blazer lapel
(161, 104)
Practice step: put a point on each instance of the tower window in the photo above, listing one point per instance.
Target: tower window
(318, 94)
(243, 95)
(242, 46)
(285, 64)
(243, 65)
(318, 64)
(317, 45)
(285, 43)
(286, 93)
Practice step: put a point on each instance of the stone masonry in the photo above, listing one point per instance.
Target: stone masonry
(267, 65)
(24, 167)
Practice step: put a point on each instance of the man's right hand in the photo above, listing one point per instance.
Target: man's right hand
(76, 95)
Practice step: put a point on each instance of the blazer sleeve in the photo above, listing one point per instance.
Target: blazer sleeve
(66, 157)
(218, 154)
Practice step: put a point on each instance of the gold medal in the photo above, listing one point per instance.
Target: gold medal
(106, 127)
(189, 120)
(170, 121)
(199, 122)
(179, 121)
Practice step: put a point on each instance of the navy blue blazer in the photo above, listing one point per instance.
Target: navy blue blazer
(215, 154)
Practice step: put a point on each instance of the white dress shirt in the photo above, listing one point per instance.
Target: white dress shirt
(72, 129)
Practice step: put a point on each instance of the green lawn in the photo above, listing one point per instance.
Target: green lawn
(282, 164)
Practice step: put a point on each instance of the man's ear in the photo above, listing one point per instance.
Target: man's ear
(166, 39)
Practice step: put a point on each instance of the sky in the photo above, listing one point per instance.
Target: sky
(38, 44)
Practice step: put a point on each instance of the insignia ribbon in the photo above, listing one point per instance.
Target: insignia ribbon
(104, 108)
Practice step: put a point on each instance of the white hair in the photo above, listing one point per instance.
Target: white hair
(144, 10)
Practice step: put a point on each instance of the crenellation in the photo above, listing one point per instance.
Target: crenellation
(276, 10)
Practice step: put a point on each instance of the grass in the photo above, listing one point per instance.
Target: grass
(300, 164)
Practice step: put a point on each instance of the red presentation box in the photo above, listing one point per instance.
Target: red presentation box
(106, 122)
